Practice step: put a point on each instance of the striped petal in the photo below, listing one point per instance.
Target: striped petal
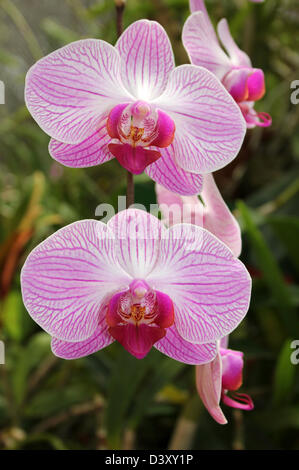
(137, 241)
(92, 151)
(174, 346)
(98, 340)
(202, 45)
(209, 287)
(165, 172)
(68, 91)
(147, 59)
(208, 384)
(66, 279)
(210, 127)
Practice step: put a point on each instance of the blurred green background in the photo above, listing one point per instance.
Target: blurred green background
(110, 399)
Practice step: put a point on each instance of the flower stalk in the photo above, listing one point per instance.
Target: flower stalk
(120, 7)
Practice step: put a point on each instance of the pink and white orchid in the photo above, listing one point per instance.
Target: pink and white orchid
(213, 215)
(97, 102)
(134, 281)
(245, 83)
(215, 379)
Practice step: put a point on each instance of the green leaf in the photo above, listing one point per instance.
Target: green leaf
(16, 321)
(162, 374)
(30, 357)
(271, 272)
(125, 379)
(284, 375)
(287, 229)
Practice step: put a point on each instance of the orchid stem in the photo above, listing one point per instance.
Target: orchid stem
(120, 7)
(130, 189)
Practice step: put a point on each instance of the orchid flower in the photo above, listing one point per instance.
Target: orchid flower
(213, 215)
(134, 281)
(215, 379)
(245, 83)
(97, 102)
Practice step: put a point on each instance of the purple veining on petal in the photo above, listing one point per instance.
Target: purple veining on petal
(100, 339)
(69, 91)
(209, 126)
(146, 59)
(174, 346)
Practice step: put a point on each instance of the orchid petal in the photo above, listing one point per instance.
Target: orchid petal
(202, 45)
(92, 151)
(224, 342)
(209, 287)
(177, 209)
(174, 346)
(98, 340)
(66, 278)
(246, 401)
(165, 172)
(197, 5)
(232, 369)
(239, 58)
(218, 219)
(137, 340)
(208, 384)
(137, 241)
(69, 91)
(134, 159)
(210, 127)
(146, 59)
(256, 85)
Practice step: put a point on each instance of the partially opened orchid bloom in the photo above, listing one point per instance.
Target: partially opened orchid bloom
(245, 83)
(215, 379)
(97, 102)
(213, 215)
(134, 281)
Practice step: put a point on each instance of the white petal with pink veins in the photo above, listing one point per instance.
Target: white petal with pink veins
(98, 340)
(66, 279)
(92, 151)
(210, 127)
(174, 346)
(209, 287)
(147, 59)
(68, 91)
(167, 173)
(138, 237)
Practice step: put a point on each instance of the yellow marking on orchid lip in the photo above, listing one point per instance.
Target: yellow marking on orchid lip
(136, 133)
(137, 312)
